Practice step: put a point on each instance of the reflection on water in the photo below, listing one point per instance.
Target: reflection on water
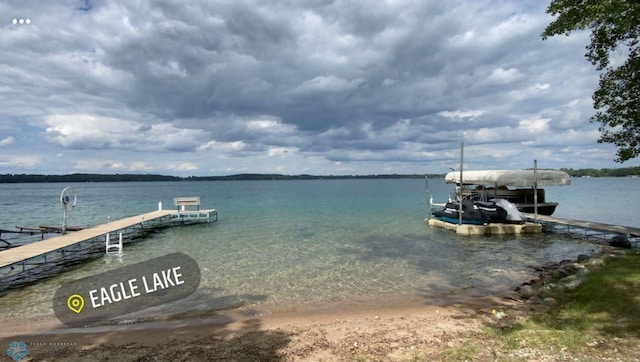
(291, 245)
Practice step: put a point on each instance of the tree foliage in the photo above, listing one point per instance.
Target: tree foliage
(603, 172)
(89, 177)
(615, 30)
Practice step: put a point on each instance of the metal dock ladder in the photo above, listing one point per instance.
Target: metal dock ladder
(115, 247)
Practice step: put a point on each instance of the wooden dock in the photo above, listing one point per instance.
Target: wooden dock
(24, 252)
(41, 248)
(586, 225)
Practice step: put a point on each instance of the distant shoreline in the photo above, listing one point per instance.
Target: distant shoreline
(91, 177)
(85, 177)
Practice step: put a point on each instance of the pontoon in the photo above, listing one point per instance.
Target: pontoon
(518, 187)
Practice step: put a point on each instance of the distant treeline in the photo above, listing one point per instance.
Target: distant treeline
(604, 172)
(87, 177)
(261, 176)
(91, 177)
(84, 177)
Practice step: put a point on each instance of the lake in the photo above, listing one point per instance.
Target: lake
(300, 245)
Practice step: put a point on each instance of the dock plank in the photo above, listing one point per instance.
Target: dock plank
(616, 229)
(16, 255)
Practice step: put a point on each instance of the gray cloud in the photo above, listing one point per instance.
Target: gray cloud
(210, 87)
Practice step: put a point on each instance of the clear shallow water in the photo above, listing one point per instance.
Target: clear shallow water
(293, 245)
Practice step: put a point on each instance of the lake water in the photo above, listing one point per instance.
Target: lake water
(303, 244)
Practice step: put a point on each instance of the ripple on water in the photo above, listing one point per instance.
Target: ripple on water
(291, 245)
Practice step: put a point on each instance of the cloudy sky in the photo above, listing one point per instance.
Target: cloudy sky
(217, 87)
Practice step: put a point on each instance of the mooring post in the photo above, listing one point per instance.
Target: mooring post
(64, 218)
(535, 191)
(460, 188)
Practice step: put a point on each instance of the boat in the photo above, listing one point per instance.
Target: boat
(471, 214)
(519, 187)
(480, 212)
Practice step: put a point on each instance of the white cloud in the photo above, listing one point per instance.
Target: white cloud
(209, 86)
(20, 162)
(186, 166)
(461, 114)
(535, 125)
(139, 166)
(6, 141)
(280, 151)
(85, 131)
(93, 164)
(326, 84)
(270, 126)
(223, 146)
(530, 92)
(505, 76)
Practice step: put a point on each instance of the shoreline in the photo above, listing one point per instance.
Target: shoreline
(418, 328)
(300, 335)
(42, 324)
(53, 326)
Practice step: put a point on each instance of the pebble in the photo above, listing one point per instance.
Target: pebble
(527, 292)
(582, 258)
(549, 301)
(572, 285)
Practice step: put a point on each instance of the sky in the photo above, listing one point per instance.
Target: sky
(323, 87)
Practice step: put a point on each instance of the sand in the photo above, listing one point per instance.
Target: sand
(412, 331)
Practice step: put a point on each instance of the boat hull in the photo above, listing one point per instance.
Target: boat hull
(471, 214)
(481, 213)
(547, 208)
(522, 198)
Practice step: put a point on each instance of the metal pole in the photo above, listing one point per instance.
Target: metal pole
(460, 188)
(64, 218)
(426, 181)
(535, 191)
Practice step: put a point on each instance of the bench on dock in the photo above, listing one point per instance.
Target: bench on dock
(182, 202)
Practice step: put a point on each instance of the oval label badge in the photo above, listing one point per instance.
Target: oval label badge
(126, 290)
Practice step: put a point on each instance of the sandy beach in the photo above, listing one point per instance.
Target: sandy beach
(399, 333)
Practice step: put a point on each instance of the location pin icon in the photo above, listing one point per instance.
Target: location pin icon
(75, 303)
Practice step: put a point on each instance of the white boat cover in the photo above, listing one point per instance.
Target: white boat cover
(515, 178)
(513, 214)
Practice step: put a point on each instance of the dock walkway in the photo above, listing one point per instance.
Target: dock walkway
(586, 225)
(35, 249)
(42, 248)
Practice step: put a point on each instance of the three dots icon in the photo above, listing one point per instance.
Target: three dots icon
(26, 21)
